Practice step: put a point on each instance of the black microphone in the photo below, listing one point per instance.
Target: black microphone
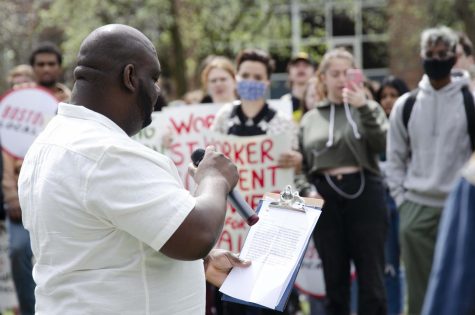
(236, 199)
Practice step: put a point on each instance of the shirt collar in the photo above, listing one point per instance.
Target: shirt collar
(262, 113)
(81, 112)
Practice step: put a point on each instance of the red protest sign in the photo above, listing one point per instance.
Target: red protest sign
(256, 158)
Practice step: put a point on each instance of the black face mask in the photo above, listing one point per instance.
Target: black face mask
(438, 69)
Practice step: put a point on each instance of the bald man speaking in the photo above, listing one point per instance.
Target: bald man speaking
(112, 229)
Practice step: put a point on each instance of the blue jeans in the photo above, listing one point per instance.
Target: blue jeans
(22, 267)
(393, 275)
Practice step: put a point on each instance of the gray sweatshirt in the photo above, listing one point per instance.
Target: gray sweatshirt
(424, 160)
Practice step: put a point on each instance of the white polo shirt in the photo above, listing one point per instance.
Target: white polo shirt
(99, 206)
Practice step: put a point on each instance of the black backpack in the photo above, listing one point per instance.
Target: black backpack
(469, 111)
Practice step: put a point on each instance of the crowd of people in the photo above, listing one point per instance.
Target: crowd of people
(383, 158)
(44, 71)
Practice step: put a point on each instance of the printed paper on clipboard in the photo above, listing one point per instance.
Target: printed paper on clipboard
(276, 246)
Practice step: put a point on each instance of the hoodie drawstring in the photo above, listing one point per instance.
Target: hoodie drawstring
(352, 122)
(349, 118)
(331, 130)
(331, 127)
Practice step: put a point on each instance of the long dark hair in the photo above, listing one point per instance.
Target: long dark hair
(398, 84)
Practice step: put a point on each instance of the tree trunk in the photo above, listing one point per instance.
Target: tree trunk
(466, 11)
(407, 19)
(178, 51)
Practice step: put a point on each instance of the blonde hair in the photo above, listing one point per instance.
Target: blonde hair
(336, 53)
(218, 62)
(24, 70)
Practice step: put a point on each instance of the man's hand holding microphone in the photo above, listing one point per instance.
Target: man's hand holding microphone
(214, 173)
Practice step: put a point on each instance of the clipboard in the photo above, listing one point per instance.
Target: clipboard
(297, 204)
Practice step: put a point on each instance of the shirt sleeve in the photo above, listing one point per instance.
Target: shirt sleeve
(138, 191)
(374, 124)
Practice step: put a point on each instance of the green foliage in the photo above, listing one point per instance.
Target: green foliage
(204, 27)
(186, 31)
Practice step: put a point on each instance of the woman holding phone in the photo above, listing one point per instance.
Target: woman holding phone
(340, 141)
(391, 89)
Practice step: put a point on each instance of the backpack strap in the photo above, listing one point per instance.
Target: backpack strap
(470, 113)
(408, 105)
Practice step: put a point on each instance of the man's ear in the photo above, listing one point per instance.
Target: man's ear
(129, 77)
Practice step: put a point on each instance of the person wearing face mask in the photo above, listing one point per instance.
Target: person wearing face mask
(340, 140)
(252, 116)
(428, 144)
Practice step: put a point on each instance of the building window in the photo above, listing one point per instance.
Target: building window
(374, 20)
(359, 25)
(375, 55)
(343, 21)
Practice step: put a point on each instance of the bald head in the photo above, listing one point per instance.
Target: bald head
(117, 68)
(111, 46)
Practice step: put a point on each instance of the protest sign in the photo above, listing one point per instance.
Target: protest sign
(310, 278)
(256, 158)
(153, 134)
(186, 125)
(283, 106)
(23, 115)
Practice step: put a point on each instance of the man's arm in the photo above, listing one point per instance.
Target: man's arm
(10, 187)
(216, 176)
(140, 193)
(374, 124)
(397, 152)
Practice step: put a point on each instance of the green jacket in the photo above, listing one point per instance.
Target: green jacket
(366, 139)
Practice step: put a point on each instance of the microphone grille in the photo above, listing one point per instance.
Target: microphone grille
(197, 156)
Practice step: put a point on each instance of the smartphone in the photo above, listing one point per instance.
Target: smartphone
(355, 76)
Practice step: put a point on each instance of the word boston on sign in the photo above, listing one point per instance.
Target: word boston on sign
(23, 115)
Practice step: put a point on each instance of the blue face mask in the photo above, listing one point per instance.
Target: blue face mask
(250, 90)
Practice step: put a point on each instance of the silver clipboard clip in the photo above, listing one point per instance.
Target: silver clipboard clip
(289, 200)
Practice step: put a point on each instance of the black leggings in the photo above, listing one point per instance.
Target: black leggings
(353, 230)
